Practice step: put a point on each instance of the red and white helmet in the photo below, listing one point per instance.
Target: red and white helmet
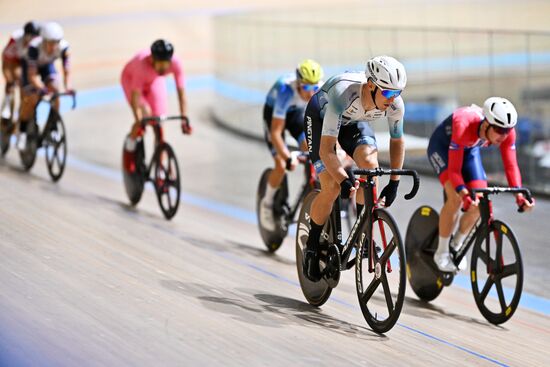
(500, 112)
(386, 72)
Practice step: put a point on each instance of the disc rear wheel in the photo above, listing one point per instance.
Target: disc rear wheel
(316, 293)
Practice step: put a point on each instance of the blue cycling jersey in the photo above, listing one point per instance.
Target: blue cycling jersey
(284, 96)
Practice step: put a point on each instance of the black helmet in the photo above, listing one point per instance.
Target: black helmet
(162, 50)
(31, 28)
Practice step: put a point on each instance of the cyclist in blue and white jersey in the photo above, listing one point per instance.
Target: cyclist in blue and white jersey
(39, 73)
(341, 112)
(284, 110)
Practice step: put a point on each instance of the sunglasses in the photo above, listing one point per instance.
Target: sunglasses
(501, 130)
(310, 87)
(390, 93)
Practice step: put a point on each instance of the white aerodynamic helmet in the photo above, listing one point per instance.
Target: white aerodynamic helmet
(386, 72)
(51, 31)
(500, 112)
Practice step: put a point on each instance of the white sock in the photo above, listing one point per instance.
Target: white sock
(269, 194)
(443, 246)
(458, 238)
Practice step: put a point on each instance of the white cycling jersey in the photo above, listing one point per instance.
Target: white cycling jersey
(37, 55)
(340, 104)
(15, 49)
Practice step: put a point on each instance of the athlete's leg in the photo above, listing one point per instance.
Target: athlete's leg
(475, 178)
(10, 72)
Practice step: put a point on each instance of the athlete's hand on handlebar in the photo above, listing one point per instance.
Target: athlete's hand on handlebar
(524, 205)
(186, 126)
(467, 200)
(292, 161)
(348, 186)
(388, 194)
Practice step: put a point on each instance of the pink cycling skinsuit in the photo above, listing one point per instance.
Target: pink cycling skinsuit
(138, 74)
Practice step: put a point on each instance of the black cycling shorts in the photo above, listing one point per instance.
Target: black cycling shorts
(293, 123)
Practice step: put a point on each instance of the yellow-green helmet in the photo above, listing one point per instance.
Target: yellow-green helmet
(309, 72)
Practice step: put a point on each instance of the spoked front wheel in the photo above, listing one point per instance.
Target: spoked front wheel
(497, 274)
(55, 143)
(381, 289)
(167, 180)
(28, 155)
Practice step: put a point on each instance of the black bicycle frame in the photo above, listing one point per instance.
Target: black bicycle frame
(155, 122)
(53, 115)
(366, 215)
(481, 229)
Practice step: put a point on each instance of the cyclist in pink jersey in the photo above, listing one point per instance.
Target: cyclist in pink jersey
(454, 153)
(145, 87)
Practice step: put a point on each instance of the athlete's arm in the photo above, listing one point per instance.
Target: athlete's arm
(278, 123)
(509, 159)
(327, 152)
(32, 70)
(135, 105)
(396, 112)
(397, 154)
(65, 61)
(180, 85)
(277, 128)
(511, 168)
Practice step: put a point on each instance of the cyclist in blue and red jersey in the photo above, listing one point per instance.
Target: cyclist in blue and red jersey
(454, 153)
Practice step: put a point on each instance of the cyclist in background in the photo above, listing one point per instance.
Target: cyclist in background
(39, 73)
(454, 153)
(284, 110)
(145, 89)
(12, 54)
(340, 112)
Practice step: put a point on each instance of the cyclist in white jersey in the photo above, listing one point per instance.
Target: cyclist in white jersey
(39, 73)
(341, 112)
(284, 110)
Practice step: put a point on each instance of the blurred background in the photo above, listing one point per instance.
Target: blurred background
(456, 53)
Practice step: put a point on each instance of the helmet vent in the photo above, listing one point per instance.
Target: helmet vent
(509, 117)
(398, 76)
(493, 106)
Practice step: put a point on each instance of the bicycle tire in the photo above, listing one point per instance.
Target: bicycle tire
(5, 135)
(316, 293)
(134, 182)
(167, 180)
(366, 294)
(272, 239)
(495, 279)
(28, 155)
(55, 144)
